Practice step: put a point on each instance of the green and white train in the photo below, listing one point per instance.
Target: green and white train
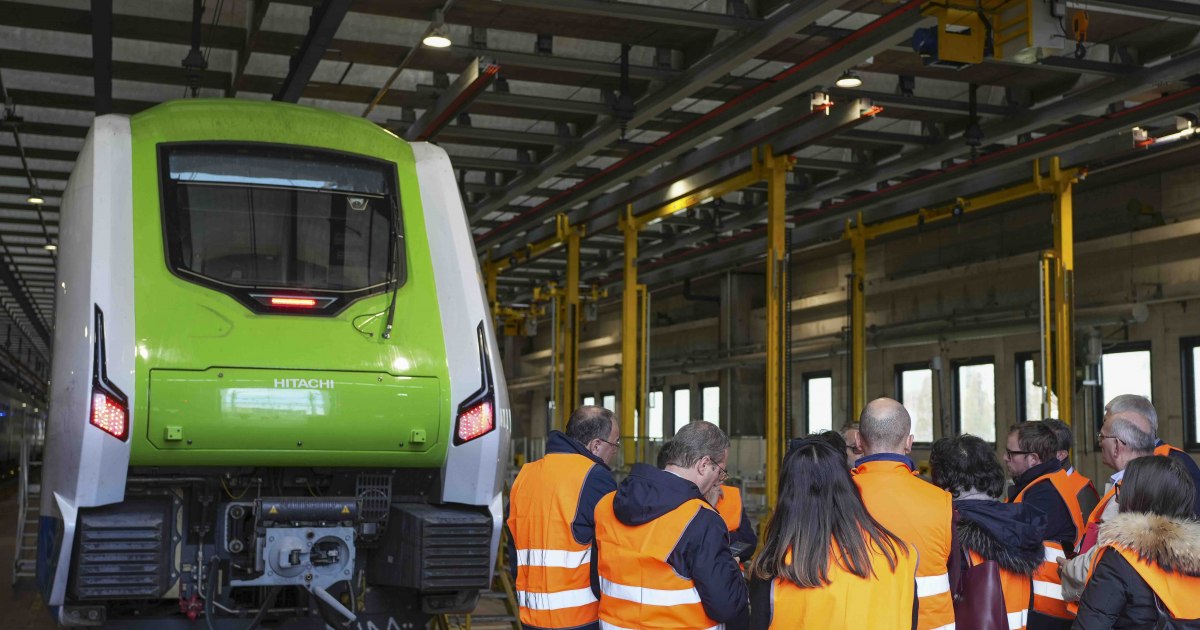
(275, 390)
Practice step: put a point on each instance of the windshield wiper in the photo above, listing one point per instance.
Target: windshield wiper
(396, 271)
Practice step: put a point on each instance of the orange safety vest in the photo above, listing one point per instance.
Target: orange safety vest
(554, 586)
(638, 588)
(1047, 583)
(879, 602)
(1176, 591)
(921, 514)
(1165, 450)
(1016, 588)
(1081, 486)
(729, 506)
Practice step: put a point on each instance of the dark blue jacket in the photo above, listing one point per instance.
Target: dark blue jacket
(1059, 526)
(702, 553)
(596, 484)
(1190, 465)
(1011, 534)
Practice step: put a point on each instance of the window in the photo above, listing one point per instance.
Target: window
(655, 413)
(683, 406)
(242, 219)
(914, 388)
(818, 401)
(1190, 347)
(609, 401)
(975, 397)
(1029, 388)
(1125, 369)
(710, 404)
(589, 401)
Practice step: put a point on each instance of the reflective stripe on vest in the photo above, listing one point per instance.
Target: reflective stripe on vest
(919, 513)
(1016, 588)
(729, 506)
(604, 625)
(1047, 584)
(850, 601)
(639, 589)
(1067, 492)
(554, 586)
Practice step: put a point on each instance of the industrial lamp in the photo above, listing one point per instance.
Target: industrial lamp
(50, 247)
(35, 196)
(849, 79)
(438, 36)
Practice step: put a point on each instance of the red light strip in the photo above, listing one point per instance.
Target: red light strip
(297, 302)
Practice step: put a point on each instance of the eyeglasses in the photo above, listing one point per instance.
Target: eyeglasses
(1100, 437)
(1012, 453)
(724, 474)
(616, 444)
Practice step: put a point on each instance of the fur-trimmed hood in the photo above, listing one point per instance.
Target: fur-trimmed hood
(1008, 533)
(1171, 543)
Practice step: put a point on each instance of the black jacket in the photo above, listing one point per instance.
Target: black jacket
(596, 484)
(1011, 534)
(1116, 596)
(1059, 526)
(1189, 464)
(702, 553)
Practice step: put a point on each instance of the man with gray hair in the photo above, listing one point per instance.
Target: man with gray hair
(1132, 403)
(913, 509)
(663, 551)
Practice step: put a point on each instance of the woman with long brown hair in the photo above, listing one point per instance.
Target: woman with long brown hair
(825, 562)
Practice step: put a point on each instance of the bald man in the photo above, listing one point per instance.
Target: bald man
(913, 509)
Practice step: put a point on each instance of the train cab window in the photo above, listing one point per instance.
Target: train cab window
(244, 218)
(1190, 347)
(608, 401)
(682, 412)
(655, 414)
(710, 404)
(914, 388)
(1029, 389)
(818, 401)
(975, 398)
(1125, 369)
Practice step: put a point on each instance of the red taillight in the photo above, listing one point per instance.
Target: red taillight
(294, 302)
(110, 415)
(475, 421)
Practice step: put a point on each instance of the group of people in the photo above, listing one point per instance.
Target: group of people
(857, 539)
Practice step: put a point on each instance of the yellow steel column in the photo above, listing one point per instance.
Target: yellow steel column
(629, 337)
(572, 317)
(1064, 289)
(858, 319)
(775, 170)
(490, 275)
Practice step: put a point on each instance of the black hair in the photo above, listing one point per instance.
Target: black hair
(966, 462)
(589, 423)
(1065, 438)
(1159, 485)
(1035, 437)
(820, 509)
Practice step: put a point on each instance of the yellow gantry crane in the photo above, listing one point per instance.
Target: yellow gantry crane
(1057, 268)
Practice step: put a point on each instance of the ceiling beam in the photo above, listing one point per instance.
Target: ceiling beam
(922, 103)
(323, 24)
(471, 82)
(643, 12)
(1156, 8)
(102, 61)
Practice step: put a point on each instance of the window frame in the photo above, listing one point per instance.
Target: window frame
(1120, 348)
(804, 379)
(604, 395)
(674, 411)
(898, 371)
(955, 364)
(662, 407)
(1191, 436)
(704, 386)
(1019, 360)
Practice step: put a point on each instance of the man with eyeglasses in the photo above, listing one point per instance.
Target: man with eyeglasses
(551, 523)
(1132, 403)
(915, 510)
(663, 550)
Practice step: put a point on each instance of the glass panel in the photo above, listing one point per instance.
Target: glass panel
(1033, 394)
(609, 402)
(916, 392)
(1196, 392)
(655, 430)
(818, 398)
(710, 398)
(977, 400)
(1126, 373)
(589, 401)
(683, 408)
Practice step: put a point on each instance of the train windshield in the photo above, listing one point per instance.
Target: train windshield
(270, 216)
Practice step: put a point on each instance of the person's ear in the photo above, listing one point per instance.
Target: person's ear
(908, 444)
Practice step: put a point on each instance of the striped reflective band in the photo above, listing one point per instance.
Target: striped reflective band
(948, 626)
(933, 585)
(604, 625)
(651, 596)
(553, 558)
(1052, 554)
(555, 601)
(1048, 589)
(1018, 619)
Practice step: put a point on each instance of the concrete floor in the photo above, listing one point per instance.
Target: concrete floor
(21, 606)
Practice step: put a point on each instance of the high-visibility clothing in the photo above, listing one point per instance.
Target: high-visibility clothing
(729, 506)
(1176, 591)
(638, 588)
(1086, 495)
(1016, 587)
(919, 513)
(1067, 489)
(554, 588)
(1092, 527)
(882, 601)
(1165, 450)
(1047, 583)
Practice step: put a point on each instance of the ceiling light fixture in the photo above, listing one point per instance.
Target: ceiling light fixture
(35, 196)
(438, 36)
(50, 247)
(849, 79)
